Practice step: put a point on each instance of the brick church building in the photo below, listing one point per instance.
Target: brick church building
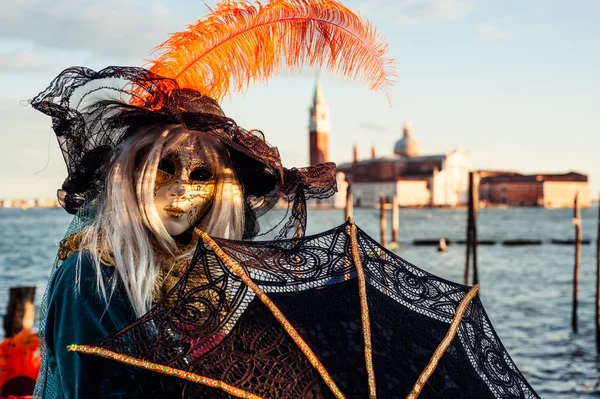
(319, 129)
(434, 179)
(417, 180)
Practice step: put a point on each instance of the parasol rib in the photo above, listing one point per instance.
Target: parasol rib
(144, 364)
(235, 268)
(364, 310)
(441, 349)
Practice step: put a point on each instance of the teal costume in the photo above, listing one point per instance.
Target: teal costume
(79, 315)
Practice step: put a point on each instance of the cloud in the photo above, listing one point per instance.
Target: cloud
(365, 8)
(449, 9)
(564, 42)
(112, 28)
(403, 19)
(378, 127)
(29, 62)
(29, 147)
(11, 61)
(493, 31)
(413, 12)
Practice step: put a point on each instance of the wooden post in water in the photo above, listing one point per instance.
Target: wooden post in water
(598, 282)
(20, 311)
(442, 245)
(395, 218)
(467, 261)
(469, 229)
(383, 219)
(577, 223)
(471, 235)
(349, 203)
(474, 198)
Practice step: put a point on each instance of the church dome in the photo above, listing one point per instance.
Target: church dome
(407, 146)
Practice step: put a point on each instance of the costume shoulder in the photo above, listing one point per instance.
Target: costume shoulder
(77, 311)
(77, 269)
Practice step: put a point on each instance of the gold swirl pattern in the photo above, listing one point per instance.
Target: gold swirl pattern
(172, 269)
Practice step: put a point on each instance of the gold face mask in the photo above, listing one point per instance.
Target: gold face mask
(184, 188)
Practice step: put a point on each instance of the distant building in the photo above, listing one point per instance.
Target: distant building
(319, 128)
(417, 180)
(431, 180)
(547, 190)
(30, 203)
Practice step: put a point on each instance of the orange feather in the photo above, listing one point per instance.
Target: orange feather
(19, 356)
(241, 42)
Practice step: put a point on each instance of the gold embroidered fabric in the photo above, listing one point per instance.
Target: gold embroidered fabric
(69, 245)
(172, 269)
(72, 244)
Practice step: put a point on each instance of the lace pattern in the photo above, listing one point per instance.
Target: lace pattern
(312, 280)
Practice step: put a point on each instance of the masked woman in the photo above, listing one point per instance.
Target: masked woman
(160, 182)
(158, 291)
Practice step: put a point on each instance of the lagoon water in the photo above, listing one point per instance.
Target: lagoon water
(526, 290)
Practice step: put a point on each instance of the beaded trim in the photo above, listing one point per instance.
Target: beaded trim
(364, 310)
(72, 244)
(441, 349)
(93, 350)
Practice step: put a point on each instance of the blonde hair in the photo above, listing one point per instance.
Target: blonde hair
(128, 226)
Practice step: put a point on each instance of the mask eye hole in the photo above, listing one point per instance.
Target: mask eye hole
(201, 174)
(166, 165)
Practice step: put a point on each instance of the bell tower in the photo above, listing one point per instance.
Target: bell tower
(319, 128)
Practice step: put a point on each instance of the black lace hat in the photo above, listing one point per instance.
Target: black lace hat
(93, 112)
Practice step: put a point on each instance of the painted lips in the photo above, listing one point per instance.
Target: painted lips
(174, 211)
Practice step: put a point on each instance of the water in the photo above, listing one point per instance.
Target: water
(526, 290)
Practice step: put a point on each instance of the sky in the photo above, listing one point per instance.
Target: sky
(515, 83)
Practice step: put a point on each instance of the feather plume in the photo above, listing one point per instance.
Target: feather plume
(19, 357)
(242, 42)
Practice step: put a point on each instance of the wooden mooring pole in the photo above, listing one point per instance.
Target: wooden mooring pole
(20, 311)
(598, 282)
(472, 231)
(577, 223)
(349, 203)
(383, 219)
(468, 255)
(474, 194)
(395, 218)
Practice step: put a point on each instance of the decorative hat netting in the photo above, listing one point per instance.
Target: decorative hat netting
(94, 112)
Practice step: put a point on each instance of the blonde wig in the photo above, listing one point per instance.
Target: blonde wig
(128, 227)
